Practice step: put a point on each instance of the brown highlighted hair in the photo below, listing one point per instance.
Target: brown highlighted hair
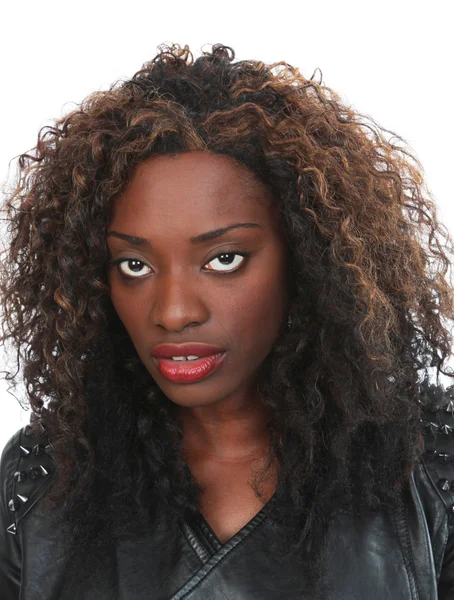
(370, 296)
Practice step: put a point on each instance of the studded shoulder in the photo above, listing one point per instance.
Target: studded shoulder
(27, 470)
(438, 430)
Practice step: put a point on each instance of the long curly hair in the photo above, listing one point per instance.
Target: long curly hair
(370, 297)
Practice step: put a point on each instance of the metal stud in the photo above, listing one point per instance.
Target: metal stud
(34, 473)
(13, 505)
(443, 484)
(27, 430)
(20, 476)
(23, 499)
(431, 453)
(444, 457)
(452, 508)
(39, 449)
(12, 529)
(431, 428)
(450, 407)
(44, 472)
(25, 451)
(446, 429)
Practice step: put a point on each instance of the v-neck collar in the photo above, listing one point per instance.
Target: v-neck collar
(208, 539)
(209, 548)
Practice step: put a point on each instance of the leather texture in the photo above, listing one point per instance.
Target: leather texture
(404, 555)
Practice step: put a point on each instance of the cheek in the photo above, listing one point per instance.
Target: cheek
(257, 311)
(127, 310)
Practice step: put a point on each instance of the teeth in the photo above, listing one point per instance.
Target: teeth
(190, 357)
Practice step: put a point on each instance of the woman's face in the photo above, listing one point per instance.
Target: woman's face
(169, 289)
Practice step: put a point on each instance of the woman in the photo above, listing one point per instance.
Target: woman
(226, 289)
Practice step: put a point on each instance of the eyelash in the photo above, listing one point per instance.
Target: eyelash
(118, 261)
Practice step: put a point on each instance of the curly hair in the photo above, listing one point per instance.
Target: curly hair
(370, 298)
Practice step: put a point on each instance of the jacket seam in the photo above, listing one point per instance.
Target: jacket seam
(408, 559)
(210, 535)
(410, 550)
(198, 548)
(12, 483)
(441, 527)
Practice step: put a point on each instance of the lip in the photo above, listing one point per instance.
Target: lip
(189, 371)
(188, 349)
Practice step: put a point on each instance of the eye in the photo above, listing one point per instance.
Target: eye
(225, 260)
(135, 267)
(135, 264)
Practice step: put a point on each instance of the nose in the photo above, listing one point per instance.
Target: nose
(176, 302)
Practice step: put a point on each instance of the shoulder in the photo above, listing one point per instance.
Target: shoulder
(25, 473)
(25, 469)
(434, 480)
(437, 421)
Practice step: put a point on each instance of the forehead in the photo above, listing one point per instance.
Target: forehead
(191, 188)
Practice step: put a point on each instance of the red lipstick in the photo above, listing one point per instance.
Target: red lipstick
(209, 358)
(189, 371)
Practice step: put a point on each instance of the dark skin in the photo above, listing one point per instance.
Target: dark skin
(181, 292)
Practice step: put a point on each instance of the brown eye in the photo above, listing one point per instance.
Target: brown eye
(134, 269)
(227, 261)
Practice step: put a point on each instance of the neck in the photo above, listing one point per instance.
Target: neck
(234, 432)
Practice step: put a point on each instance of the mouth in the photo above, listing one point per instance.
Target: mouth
(189, 371)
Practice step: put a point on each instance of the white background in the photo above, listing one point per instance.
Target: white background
(391, 60)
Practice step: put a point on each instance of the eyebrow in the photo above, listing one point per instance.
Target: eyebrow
(198, 239)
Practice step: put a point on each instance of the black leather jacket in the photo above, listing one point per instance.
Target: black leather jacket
(405, 555)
